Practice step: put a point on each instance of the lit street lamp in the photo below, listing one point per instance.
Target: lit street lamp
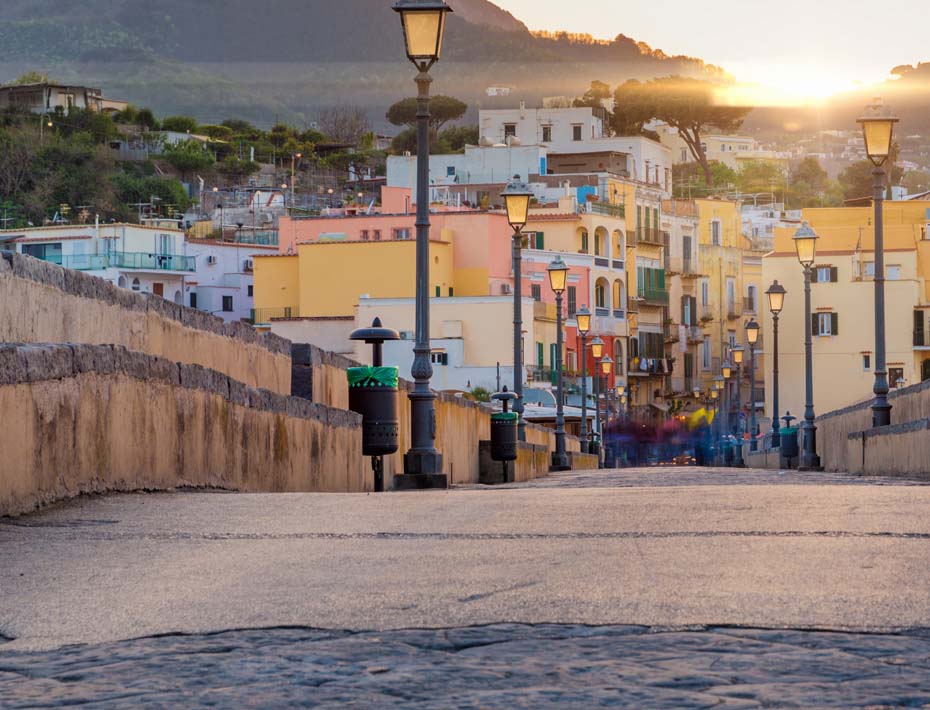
(878, 132)
(517, 201)
(621, 396)
(583, 317)
(752, 337)
(558, 274)
(423, 22)
(776, 294)
(606, 366)
(597, 352)
(805, 242)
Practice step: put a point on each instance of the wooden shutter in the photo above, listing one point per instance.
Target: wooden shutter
(835, 323)
(834, 274)
(540, 240)
(814, 322)
(814, 276)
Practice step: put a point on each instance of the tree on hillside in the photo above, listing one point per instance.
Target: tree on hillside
(810, 186)
(688, 180)
(761, 176)
(857, 180)
(31, 77)
(686, 104)
(344, 124)
(442, 109)
(179, 124)
(595, 96)
(187, 157)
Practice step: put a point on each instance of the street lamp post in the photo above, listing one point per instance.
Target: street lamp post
(597, 352)
(621, 402)
(423, 22)
(558, 274)
(583, 317)
(878, 132)
(776, 294)
(752, 337)
(606, 366)
(737, 354)
(517, 201)
(719, 384)
(805, 242)
(726, 369)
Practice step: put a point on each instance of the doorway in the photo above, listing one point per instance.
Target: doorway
(925, 371)
(158, 289)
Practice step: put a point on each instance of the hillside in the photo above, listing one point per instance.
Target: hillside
(291, 58)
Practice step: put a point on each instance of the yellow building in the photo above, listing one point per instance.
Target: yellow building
(842, 299)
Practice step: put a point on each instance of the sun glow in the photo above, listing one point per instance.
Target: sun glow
(787, 86)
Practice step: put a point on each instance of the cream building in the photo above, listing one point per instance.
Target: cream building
(842, 296)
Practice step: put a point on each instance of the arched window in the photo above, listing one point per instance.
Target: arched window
(178, 298)
(619, 299)
(618, 356)
(601, 245)
(136, 285)
(618, 243)
(751, 295)
(121, 282)
(583, 240)
(600, 294)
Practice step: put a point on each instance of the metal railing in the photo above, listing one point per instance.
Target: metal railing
(79, 262)
(733, 311)
(749, 305)
(605, 208)
(152, 262)
(534, 373)
(652, 236)
(652, 295)
(266, 315)
(682, 266)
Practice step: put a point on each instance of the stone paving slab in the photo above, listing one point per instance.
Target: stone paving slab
(498, 666)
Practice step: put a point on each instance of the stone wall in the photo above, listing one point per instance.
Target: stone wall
(834, 429)
(94, 418)
(897, 450)
(44, 303)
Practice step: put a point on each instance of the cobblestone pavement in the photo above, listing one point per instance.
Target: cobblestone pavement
(563, 592)
(500, 666)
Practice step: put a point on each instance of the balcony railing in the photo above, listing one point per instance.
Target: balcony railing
(124, 260)
(617, 264)
(602, 261)
(707, 312)
(921, 339)
(537, 374)
(733, 311)
(605, 208)
(653, 296)
(602, 312)
(152, 262)
(631, 240)
(652, 236)
(266, 315)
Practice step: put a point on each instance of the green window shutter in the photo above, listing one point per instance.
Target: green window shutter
(661, 275)
(438, 292)
(655, 218)
(451, 292)
(540, 359)
(639, 220)
(540, 240)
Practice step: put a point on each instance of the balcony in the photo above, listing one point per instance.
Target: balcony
(631, 240)
(79, 262)
(602, 261)
(602, 312)
(922, 339)
(653, 296)
(706, 313)
(617, 264)
(652, 236)
(607, 209)
(733, 311)
(542, 375)
(152, 262)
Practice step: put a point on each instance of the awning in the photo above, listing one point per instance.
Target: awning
(661, 407)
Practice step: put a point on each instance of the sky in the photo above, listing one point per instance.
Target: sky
(806, 48)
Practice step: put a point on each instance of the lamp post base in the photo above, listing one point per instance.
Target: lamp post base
(421, 471)
(809, 463)
(560, 463)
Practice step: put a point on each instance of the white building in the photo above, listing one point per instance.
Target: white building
(153, 258)
(46, 97)
(734, 151)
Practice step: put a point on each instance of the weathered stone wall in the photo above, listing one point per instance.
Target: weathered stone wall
(44, 303)
(93, 418)
(833, 429)
(898, 450)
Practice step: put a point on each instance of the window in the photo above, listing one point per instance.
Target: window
(547, 134)
(540, 358)
(510, 130)
(439, 292)
(164, 244)
(705, 292)
(866, 361)
(824, 324)
(364, 235)
(576, 132)
(824, 274)
(715, 233)
(536, 240)
(684, 155)
(136, 285)
(401, 234)
(193, 302)
(250, 291)
(731, 338)
(584, 241)
(869, 270)
(731, 296)
(751, 299)
(705, 353)
(376, 235)
(451, 292)
(450, 171)
(227, 304)
(896, 377)
(618, 356)
(600, 295)
(893, 272)
(439, 358)
(572, 300)
(536, 291)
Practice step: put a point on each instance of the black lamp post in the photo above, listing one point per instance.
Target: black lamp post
(597, 352)
(878, 131)
(805, 241)
(737, 353)
(558, 274)
(621, 402)
(776, 294)
(752, 337)
(517, 201)
(726, 369)
(583, 318)
(423, 22)
(607, 364)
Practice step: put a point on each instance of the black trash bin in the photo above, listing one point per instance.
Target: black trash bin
(373, 394)
(789, 442)
(504, 436)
